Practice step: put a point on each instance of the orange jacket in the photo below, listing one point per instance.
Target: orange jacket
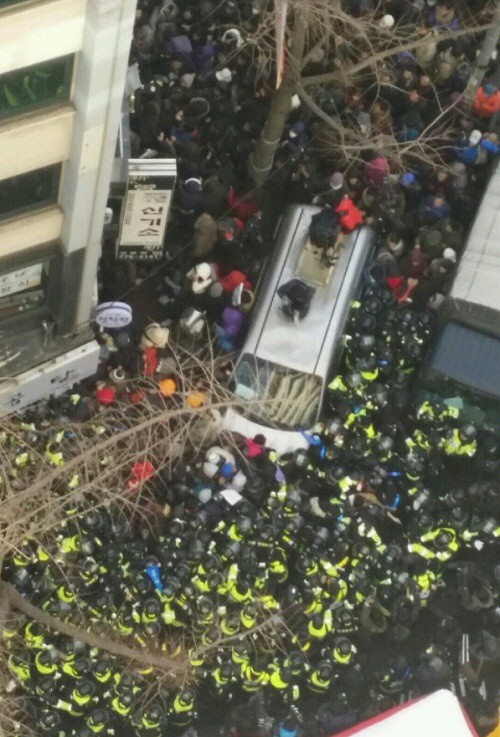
(485, 105)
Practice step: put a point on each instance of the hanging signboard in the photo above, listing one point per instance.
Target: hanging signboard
(145, 212)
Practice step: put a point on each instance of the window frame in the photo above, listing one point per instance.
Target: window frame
(56, 177)
(69, 68)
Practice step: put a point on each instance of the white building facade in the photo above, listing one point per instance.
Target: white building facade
(63, 65)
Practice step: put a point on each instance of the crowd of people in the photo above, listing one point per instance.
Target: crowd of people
(334, 580)
(323, 586)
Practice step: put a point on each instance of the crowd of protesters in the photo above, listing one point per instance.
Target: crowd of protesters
(321, 587)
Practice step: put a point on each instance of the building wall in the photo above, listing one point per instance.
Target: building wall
(79, 134)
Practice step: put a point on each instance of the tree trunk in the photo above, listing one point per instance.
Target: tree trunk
(176, 667)
(487, 48)
(261, 159)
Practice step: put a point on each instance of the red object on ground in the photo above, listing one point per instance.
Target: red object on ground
(234, 279)
(150, 361)
(105, 395)
(348, 215)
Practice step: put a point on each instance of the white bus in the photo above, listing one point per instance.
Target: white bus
(463, 367)
(282, 370)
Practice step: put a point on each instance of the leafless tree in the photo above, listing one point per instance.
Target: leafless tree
(98, 458)
(326, 46)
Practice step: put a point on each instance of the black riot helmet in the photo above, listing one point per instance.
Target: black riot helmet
(142, 585)
(399, 380)
(87, 544)
(49, 721)
(387, 297)
(98, 717)
(468, 433)
(442, 540)
(366, 363)
(81, 665)
(95, 521)
(365, 323)
(372, 305)
(354, 379)
(152, 629)
(413, 350)
(384, 444)
(365, 343)
(196, 550)
(414, 466)
(243, 525)
(85, 687)
(385, 358)
(152, 607)
(343, 645)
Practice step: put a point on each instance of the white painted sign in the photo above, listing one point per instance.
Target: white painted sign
(145, 215)
(146, 207)
(52, 377)
(113, 314)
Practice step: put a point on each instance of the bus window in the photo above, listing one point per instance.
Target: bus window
(276, 394)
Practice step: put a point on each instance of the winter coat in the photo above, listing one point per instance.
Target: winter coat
(348, 215)
(202, 58)
(205, 235)
(231, 321)
(376, 171)
(484, 106)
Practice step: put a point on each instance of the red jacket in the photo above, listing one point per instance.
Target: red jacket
(484, 106)
(242, 207)
(234, 279)
(349, 216)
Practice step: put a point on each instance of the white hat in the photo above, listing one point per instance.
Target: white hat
(201, 277)
(232, 34)
(450, 255)
(224, 75)
(475, 137)
(156, 335)
(387, 22)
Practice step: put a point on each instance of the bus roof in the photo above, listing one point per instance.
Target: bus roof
(478, 275)
(306, 346)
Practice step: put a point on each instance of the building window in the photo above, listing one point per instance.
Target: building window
(4, 3)
(35, 87)
(29, 191)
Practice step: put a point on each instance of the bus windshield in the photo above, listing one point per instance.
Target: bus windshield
(277, 395)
